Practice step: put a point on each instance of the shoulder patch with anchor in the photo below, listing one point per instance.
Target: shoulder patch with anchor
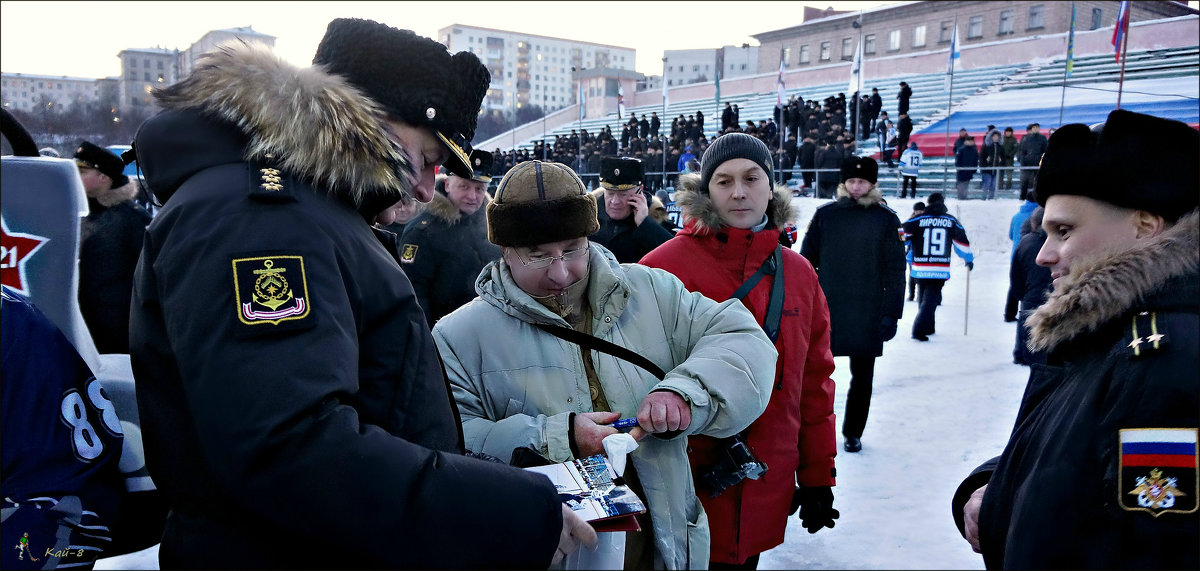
(408, 253)
(270, 289)
(1159, 472)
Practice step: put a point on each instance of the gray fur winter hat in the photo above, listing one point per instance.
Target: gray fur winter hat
(734, 146)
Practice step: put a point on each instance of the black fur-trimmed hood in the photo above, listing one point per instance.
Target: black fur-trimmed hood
(306, 122)
(1096, 292)
(696, 205)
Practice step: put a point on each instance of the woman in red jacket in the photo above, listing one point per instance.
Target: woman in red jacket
(733, 219)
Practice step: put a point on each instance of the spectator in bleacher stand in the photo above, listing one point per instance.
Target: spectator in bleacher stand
(961, 140)
(727, 119)
(443, 249)
(737, 115)
(644, 127)
(904, 129)
(1010, 152)
(863, 280)
(1029, 283)
(110, 241)
(991, 158)
(902, 98)
(788, 151)
(681, 164)
(806, 156)
(856, 106)
(770, 133)
(626, 227)
(1029, 153)
(694, 130)
(966, 163)
(828, 162)
(876, 107)
(700, 120)
(655, 123)
(750, 128)
(910, 167)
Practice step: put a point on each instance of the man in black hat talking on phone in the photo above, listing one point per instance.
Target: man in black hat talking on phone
(294, 409)
(626, 227)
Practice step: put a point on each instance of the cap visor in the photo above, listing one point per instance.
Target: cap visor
(458, 163)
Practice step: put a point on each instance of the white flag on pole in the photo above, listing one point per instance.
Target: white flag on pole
(856, 79)
(620, 101)
(779, 84)
(953, 65)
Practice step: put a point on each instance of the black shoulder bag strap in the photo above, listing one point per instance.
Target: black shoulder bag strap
(772, 266)
(598, 344)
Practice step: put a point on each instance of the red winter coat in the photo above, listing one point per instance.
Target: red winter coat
(795, 435)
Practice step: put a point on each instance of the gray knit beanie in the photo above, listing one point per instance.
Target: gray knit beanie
(734, 146)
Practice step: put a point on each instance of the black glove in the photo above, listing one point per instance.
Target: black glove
(887, 328)
(970, 266)
(816, 507)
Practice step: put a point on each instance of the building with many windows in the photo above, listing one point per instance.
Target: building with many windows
(685, 67)
(26, 92)
(214, 38)
(918, 27)
(529, 69)
(142, 70)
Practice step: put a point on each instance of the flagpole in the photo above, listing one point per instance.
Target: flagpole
(949, 102)
(664, 107)
(1070, 46)
(1124, 53)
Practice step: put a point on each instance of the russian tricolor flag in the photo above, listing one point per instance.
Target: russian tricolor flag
(1159, 448)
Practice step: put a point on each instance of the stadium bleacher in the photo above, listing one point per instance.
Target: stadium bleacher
(1161, 82)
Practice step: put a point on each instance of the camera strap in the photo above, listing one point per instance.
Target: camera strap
(598, 344)
(772, 266)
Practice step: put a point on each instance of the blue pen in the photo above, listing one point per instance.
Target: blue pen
(625, 423)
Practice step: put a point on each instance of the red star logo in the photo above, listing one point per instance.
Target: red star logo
(15, 250)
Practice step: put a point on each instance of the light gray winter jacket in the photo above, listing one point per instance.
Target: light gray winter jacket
(516, 385)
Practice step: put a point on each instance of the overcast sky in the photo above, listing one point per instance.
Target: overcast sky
(82, 39)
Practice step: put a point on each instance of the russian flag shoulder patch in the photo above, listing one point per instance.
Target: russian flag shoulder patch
(1159, 470)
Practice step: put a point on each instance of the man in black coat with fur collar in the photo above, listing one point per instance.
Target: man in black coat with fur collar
(1101, 468)
(293, 406)
(444, 249)
(110, 239)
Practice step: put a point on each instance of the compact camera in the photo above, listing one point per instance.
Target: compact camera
(737, 463)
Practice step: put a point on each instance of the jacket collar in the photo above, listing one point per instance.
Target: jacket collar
(700, 214)
(310, 123)
(607, 291)
(871, 198)
(114, 196)
(1100, 290)
(442, 209)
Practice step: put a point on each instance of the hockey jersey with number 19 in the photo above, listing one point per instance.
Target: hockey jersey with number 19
(929, 239)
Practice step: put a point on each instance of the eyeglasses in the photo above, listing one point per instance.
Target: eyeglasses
(545, 261)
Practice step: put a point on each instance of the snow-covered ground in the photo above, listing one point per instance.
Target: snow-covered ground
(938, 410)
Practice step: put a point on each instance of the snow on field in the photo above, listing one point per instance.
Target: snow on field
(938, 410)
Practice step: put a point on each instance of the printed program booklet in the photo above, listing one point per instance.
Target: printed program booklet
(587, 485)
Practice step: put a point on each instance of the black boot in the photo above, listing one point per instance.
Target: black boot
(852, 444)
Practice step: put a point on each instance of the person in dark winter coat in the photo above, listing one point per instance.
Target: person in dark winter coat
(966, 163)
(876, 105)
(991, 159)
(727, 118)
(1029, 155)
(110, 240)
(626, 227)
(902, 98)
(734, 220)
(806, 157)
(863, 279)
(1030, 283)
(443, 250)
(928, 241)
(1115, 412)
(904, 129)
(293, 408)
(829, 164)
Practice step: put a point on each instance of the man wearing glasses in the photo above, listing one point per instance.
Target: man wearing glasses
(519, 384)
